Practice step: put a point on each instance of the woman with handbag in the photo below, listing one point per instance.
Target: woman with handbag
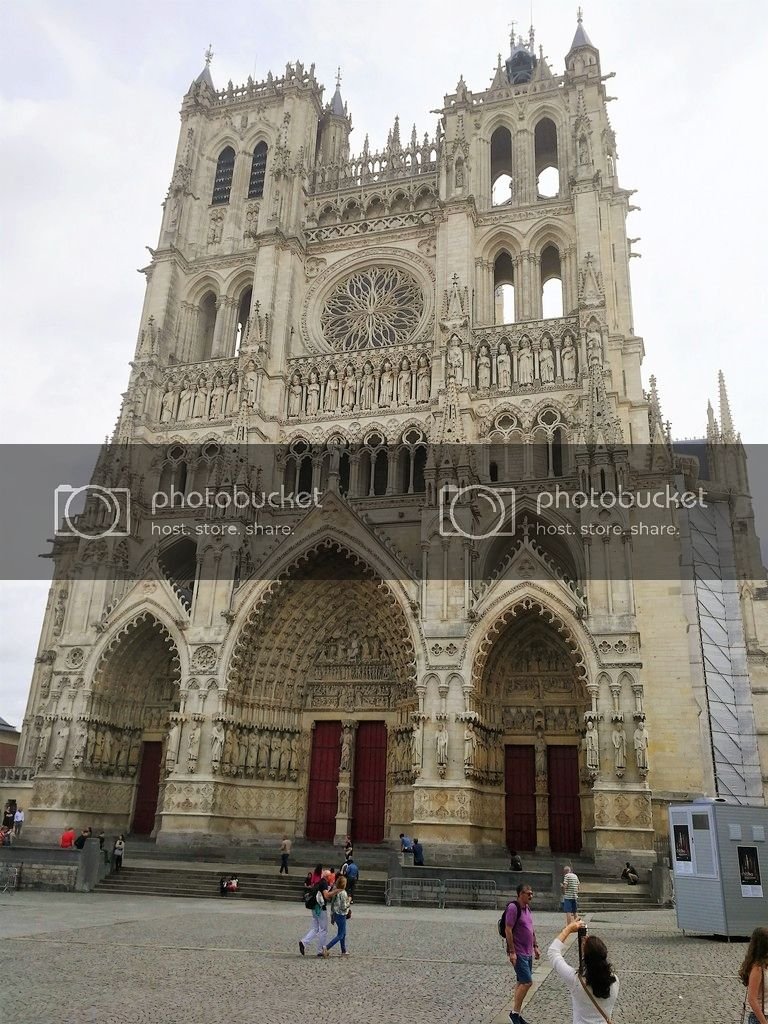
(594, 988)
(753, 974)
(340, 912)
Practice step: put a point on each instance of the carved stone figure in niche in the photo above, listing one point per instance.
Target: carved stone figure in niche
(404, 382)
(619, 740)
(217, 399)
(274, 756)
(423, 380)
(230, 407)
(184, 401)
(582, 149)
(455, 358)
(285, 757)
(106, 750)
(242, 750)
(483, 368)
(343, 801)
(540, 759)
(43, 744)
(253, 752)
(263, 764)
(546, 362)
(368, 389)
(459, 173)
(470, 746)
(349, 388)
(167, 406)
(568, 357)
(217, 744)
(331, 400)
(417, 739)
(387, 385)
(640, 739)
(504, 367)
(172, 746)
(198, 403)
(62, 738)
(313, 394)
(249, 383)
(345, 760)
(594, 346)
(193, 747)
(525, 363)
(592, 747)
(353, 651)
(294, 396)
(441, 745)
(80, 743)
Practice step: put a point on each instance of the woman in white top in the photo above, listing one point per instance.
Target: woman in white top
(595, 988)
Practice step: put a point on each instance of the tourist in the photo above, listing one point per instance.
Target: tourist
(8, 814)
(522, 947)
(348, 848)
(515, 863)
(67, 840)
(80, 841)
(630, 874)
(351, 873)
(18, 821)
(754, 974)
(102, 839)
(593, 987)
(406, 843)
(340, 911)
(285, 852)
(233, 884)
(118, 852)
(5, 835)
(223, 885)
(314, 876)
(315, 902)
(570, 887)
(418, 854)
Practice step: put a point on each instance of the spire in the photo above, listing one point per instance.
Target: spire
(726, 421)
(204, 78)
(337, 104)
(713, 428)
(581, 38)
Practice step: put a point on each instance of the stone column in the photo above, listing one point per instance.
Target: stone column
(346, 781)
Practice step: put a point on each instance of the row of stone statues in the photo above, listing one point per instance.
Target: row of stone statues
(619, 747)
(107, 749)
(526, 365)
(201, 400)
(250, 752)
(382, 387)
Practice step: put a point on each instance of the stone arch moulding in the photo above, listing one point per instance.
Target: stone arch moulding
(134, 616)
(324, 283)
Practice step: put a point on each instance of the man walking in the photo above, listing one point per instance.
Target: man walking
(522, 947)
(18, 821)
(285, 852)
(570, 887)
(352, 872)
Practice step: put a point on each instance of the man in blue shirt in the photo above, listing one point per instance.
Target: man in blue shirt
(406, 843)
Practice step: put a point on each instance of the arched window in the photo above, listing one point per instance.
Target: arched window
(222, 183)
(374, 466)
(206, 326)
(243, 313)
(501, 167)
(298, 469)
(548, 448)
(547, 168)
(551, 283)
(504, 289)
(506, 450)
(412, 462)
(258, 171)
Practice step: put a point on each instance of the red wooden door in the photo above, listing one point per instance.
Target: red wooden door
(148, 789)
(564, 802)
(370, 781)
(520, 797)
(323, 781)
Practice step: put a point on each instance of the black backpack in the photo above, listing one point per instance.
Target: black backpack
(310, 896)
(503, 918)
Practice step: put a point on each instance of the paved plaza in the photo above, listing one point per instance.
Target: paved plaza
(112, 959)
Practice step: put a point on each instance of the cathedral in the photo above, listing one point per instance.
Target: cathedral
(448, 605)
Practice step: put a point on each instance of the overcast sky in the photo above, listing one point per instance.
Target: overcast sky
(89, 100)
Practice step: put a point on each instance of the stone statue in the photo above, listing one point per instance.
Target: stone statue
(504, 367)
(346, 750)
(172, 746)
(62, 738)
(80, 743)
(274, 756)
(525, 363)
(349, 388)
(641, 747)
(416, 749)
(568, 358)
(484, 368)
(193, 747)
(404, 382)
(455, 358)
(217, 744)
(184, 400)
(594, 346)
(230, 407)
(250, 383)
(198, 403)
(591, 746)
(263, 763)
(294, 396)
(106, 750)
(546, 362)
(285, 757)
(43, 744)
(619, 740)
(368, 391)
(331, 400)
(313, 395)
(167, 406)
(343, 801)
(423, 380)
(540, 755)
(217, 399)
(458, 174)
(441, 745)
(387, 385)
(470, 746)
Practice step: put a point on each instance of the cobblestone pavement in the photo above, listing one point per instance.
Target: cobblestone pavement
(111, 959)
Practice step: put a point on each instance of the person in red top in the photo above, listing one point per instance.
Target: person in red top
(67, 840)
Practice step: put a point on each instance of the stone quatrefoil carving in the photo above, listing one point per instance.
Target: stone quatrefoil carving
(372, 308)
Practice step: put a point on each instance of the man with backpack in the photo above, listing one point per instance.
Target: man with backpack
(522, 947)
(352, 872)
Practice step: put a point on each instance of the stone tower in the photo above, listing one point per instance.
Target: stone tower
(433, 340)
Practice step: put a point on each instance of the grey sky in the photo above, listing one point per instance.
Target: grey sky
(89, 101)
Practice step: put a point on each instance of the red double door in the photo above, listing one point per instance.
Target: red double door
(148, 789)
(369, 782)
(564, 803)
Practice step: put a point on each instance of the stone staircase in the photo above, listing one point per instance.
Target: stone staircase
(203, 883)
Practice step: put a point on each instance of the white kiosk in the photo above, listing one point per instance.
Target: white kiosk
(720, 866)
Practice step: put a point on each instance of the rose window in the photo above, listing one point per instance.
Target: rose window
(371, 309)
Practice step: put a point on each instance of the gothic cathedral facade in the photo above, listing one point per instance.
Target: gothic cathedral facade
(395, 327)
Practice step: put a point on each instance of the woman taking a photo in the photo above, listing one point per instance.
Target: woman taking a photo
(753, 974)
(594, 988)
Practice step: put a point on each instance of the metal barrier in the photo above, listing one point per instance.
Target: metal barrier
(469, 892)
(9, 878)
(414, 891)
